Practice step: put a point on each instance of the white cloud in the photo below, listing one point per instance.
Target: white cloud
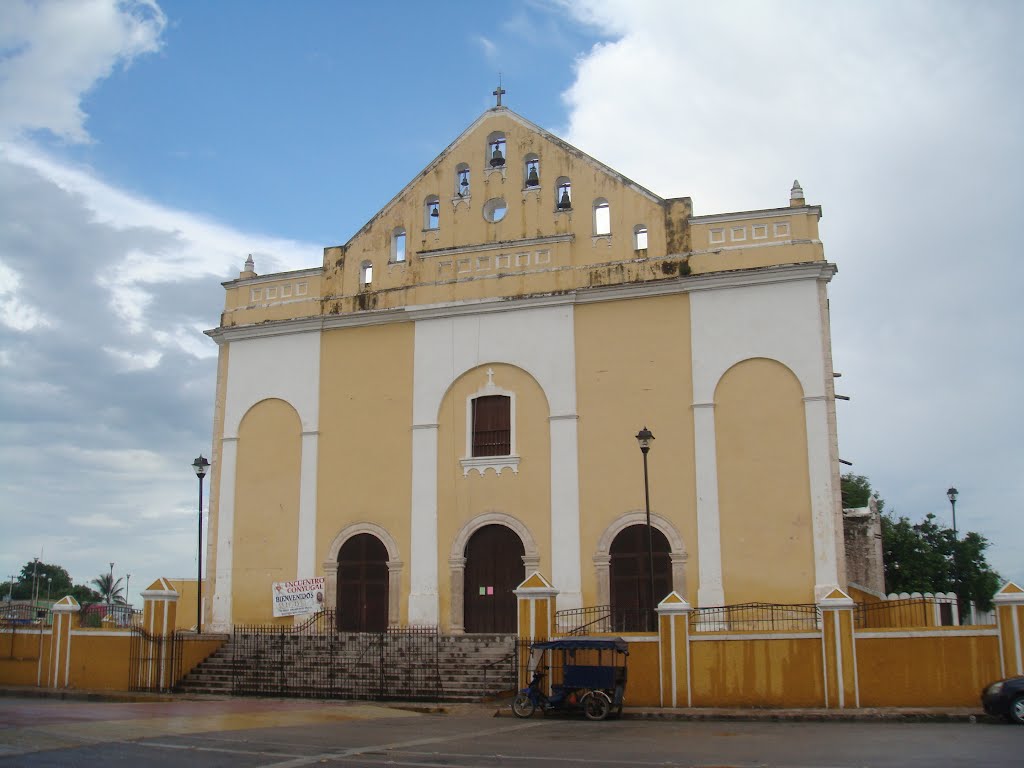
(55, 51)
(135, 361)
(899, 119)
(488, 46)
(97, 520)
(14, 312)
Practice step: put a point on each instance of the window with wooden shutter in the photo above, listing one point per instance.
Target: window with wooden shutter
(492, 426)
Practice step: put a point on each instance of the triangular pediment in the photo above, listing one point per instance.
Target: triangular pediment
(535, 581)
(472, 145)
(541, 198)
(160, 585)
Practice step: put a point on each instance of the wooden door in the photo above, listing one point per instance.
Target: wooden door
(630, 577)
(363, 585)
(494, 567)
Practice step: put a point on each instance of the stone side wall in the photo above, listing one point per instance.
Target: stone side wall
(862, 535)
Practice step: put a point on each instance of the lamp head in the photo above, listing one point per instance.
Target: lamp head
(200, 466)
(644, 437)
(951, 494)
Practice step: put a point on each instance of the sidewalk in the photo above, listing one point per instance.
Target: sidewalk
(503, 708)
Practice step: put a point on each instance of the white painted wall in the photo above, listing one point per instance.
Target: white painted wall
(287, 368)
(540, 341)
(780, 321)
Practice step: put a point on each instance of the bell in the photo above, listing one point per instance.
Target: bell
(533, 179)
(434, 212)
(496, 159)
(565, 203)
(465, 180)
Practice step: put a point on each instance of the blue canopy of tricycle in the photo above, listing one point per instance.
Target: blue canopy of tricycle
(581, 642)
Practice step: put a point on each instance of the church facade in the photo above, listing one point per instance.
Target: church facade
(449, 403)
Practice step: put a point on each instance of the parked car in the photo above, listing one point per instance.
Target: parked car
(1005, 698)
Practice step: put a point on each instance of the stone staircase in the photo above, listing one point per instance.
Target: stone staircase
(469, 668)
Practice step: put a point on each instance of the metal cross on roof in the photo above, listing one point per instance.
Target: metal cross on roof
(499, 92)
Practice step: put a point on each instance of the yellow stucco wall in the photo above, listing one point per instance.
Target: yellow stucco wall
(757, 672)
(525, 495)
(763, 485)
(185, 607)
(643, 684)
(947, 667)
(365, 439)
(633, 369)
(99, 660)
(266, 508)
(20, 651)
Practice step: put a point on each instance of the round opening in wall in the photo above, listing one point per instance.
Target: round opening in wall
(495, 209)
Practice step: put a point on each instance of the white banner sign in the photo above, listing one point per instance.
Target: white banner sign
(293, 598)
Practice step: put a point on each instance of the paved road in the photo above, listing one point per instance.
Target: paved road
(292, 734)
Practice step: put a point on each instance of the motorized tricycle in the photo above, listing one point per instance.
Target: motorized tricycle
(587, 673)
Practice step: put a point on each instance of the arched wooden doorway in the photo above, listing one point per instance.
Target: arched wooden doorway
(494, 567)
(630, 577)
(363, 585)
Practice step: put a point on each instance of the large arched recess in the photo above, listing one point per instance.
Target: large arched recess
(763, 485)
(266, 508)
(466, 495)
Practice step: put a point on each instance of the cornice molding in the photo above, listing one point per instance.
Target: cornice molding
(714, 218)
(274, 277)
(817, 270)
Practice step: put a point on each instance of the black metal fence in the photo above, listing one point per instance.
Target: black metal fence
(314, 660)
(156, 662)
(906, 612)
(746, 617)
(103, 616)
(605, 618)
(18, 615)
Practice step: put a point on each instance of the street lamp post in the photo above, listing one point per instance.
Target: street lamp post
(951, 494)
(35, 582)
(49, 583)
(110, 592)
(200, 466)
(127, 585)
(645, 438)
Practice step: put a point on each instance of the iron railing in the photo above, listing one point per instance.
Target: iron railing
(747, 617)
(16, 615)
(906, 612)
(605, 619)
(109, 616)
(314, 660)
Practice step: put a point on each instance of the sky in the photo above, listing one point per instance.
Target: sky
(146, 149)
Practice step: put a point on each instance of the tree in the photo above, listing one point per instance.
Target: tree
(110, 591)
(927, 556)
(36, 573)
(856, 490)
(60, 584)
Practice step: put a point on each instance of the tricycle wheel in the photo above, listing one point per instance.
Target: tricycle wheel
(523, 705)
(596, 706)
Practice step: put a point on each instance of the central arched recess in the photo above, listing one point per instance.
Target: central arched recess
(632, 603)
(494, 567)
(363, 585)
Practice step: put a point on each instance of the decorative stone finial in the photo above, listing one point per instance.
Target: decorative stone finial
(796, 194)
(249, 265)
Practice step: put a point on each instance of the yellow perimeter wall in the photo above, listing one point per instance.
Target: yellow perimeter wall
(835, 667)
